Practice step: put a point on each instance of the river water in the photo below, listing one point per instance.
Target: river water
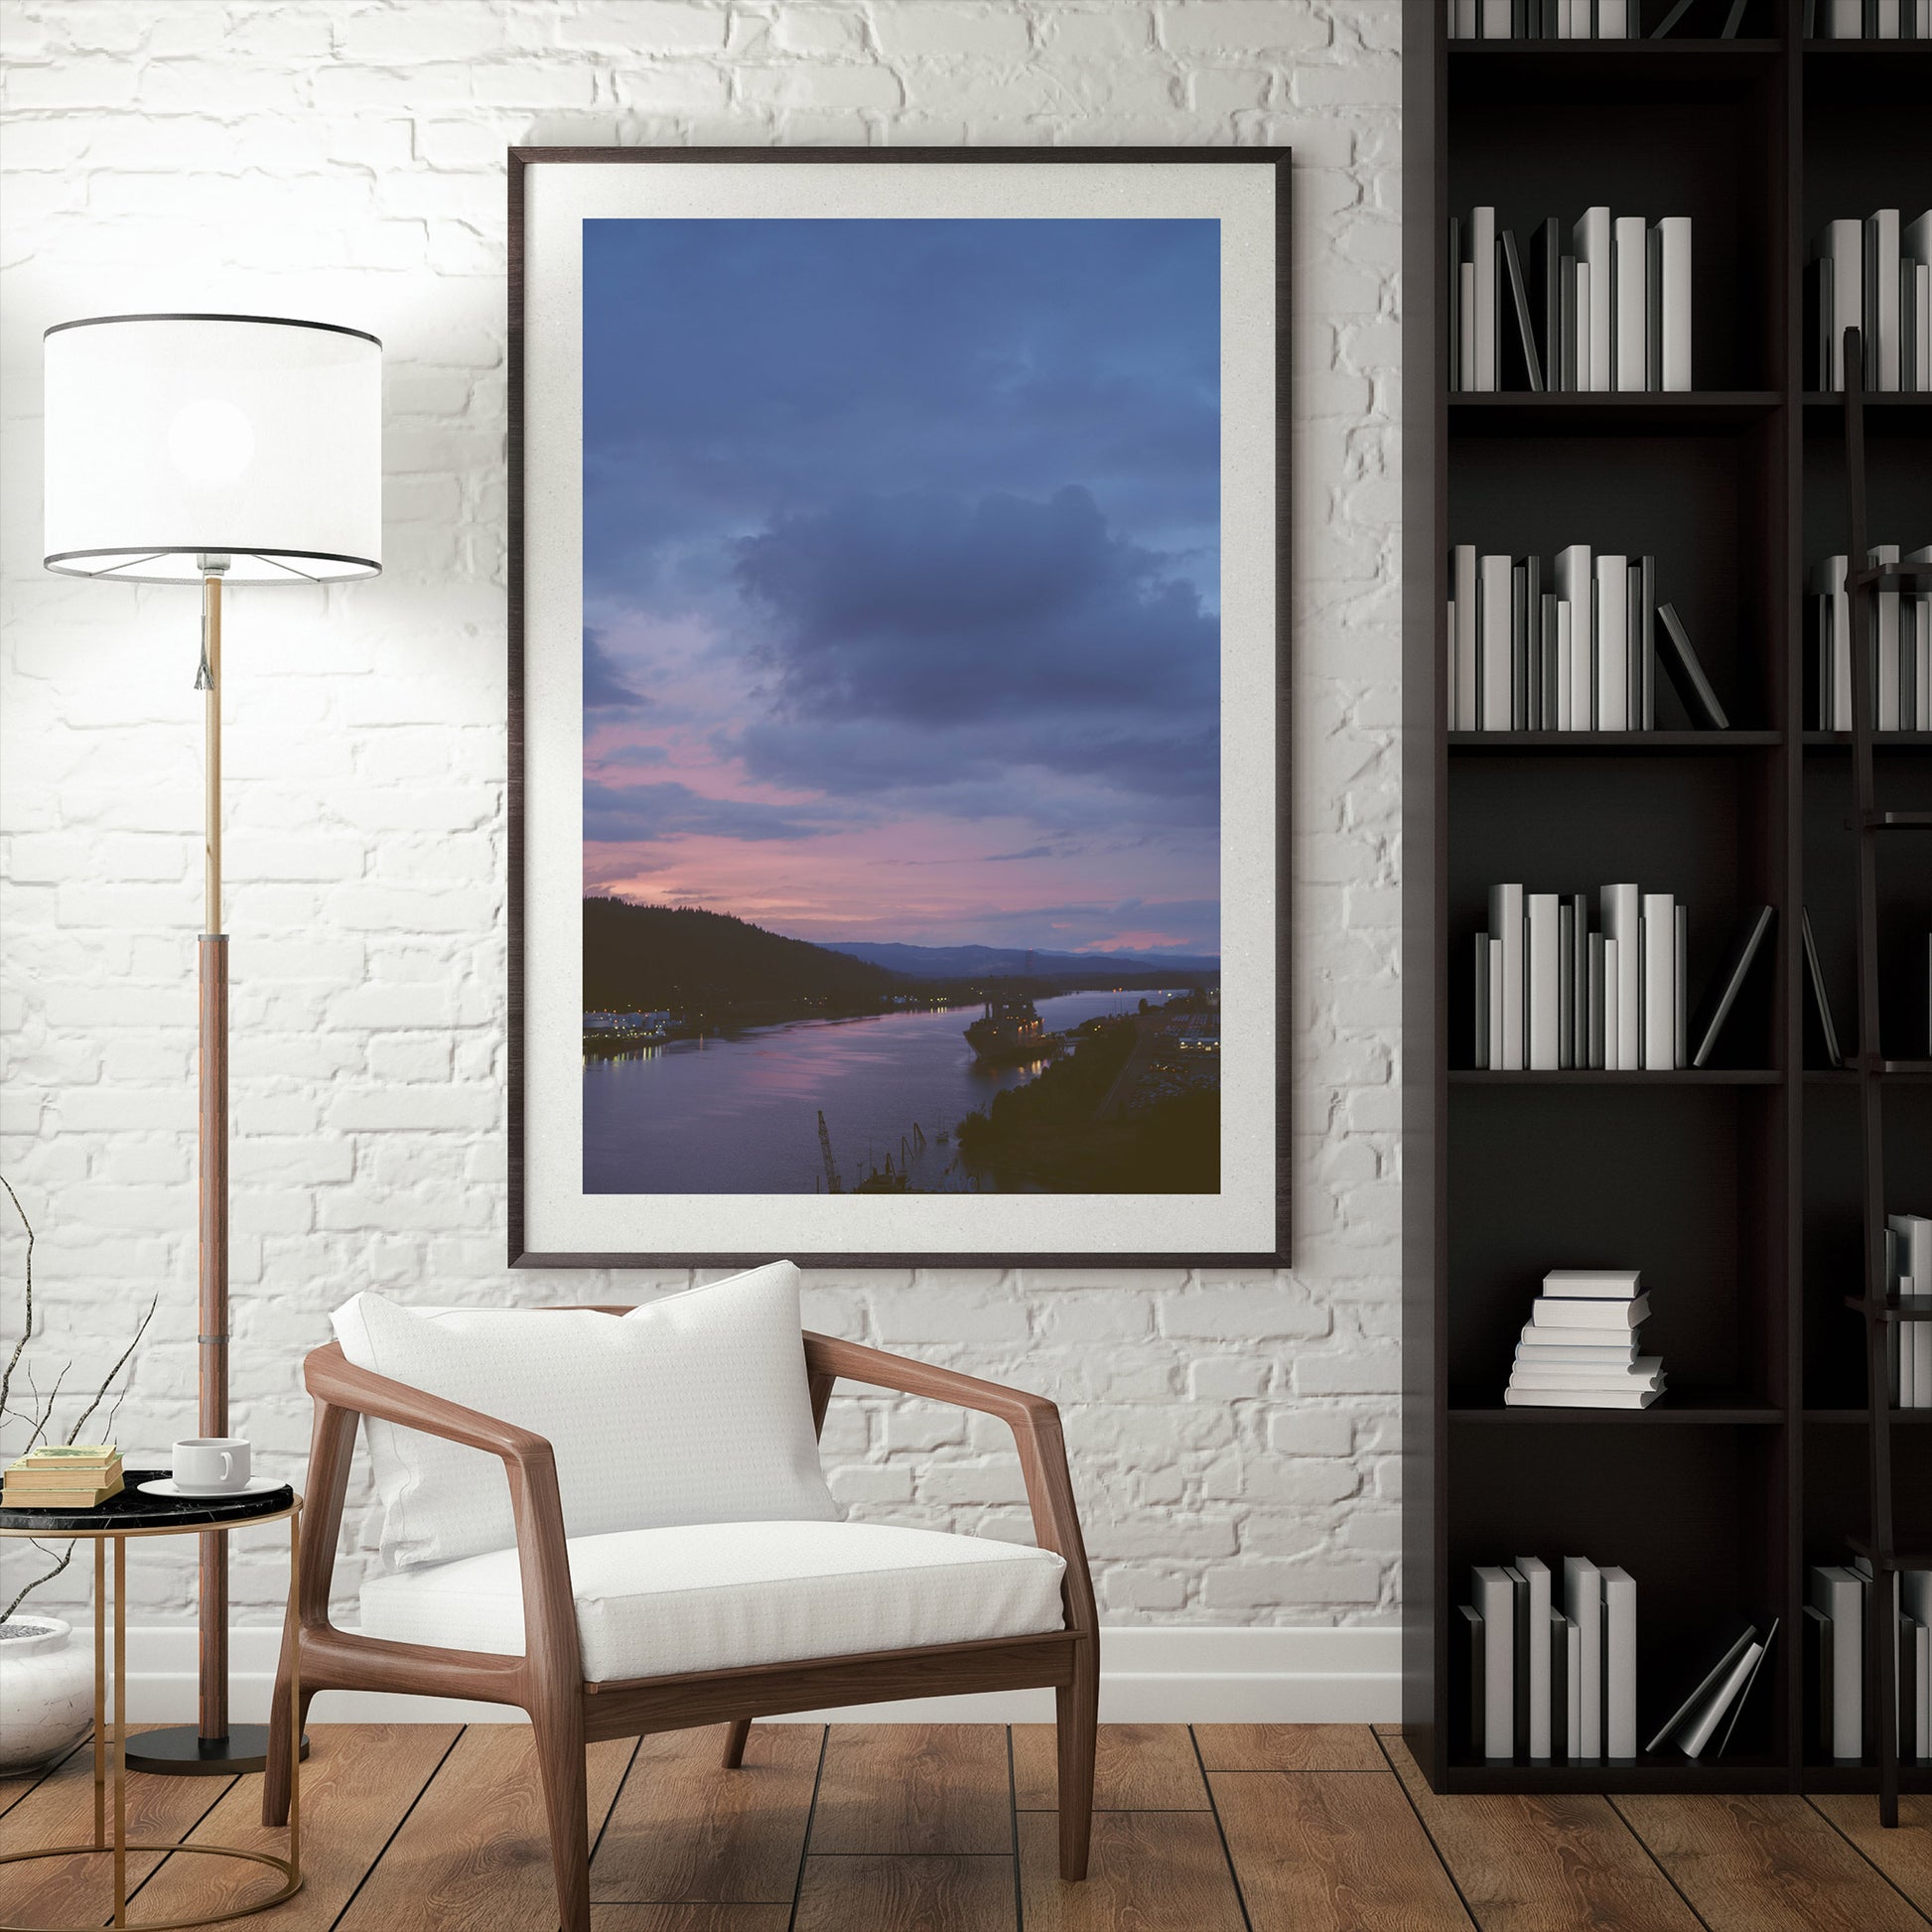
(738, 1114)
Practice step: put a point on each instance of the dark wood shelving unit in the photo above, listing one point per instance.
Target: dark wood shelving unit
(1736, 1188)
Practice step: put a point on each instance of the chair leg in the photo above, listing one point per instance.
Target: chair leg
(275, 1772)
(740, 1730)
(559, 1729)
(1077, 1711)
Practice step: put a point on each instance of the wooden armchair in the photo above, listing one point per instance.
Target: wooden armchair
(567, 1712)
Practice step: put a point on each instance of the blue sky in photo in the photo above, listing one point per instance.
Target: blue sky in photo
(901, 576)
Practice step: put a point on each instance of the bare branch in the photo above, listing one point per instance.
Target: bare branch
(73, 1433)
(27, 1329)
(46, 1576)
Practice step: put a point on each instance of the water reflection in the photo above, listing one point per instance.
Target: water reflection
(738, 1114)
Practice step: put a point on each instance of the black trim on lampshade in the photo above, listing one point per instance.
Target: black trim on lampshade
(277, 322)
(148, 552)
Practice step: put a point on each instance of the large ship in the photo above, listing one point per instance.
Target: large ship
(1011, 1030)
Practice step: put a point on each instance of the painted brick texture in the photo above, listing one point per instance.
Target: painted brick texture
(1233, 1437)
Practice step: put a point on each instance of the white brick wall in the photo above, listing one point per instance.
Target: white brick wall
(1233, 1437)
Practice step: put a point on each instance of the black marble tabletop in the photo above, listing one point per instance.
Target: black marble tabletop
(133, 1509)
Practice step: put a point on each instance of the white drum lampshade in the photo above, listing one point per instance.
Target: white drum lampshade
(175, 437)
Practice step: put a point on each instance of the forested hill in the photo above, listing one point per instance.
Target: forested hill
(651, 956)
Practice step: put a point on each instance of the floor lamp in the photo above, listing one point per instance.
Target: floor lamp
(213, 450)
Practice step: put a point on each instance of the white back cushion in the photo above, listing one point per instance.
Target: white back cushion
(693, 1408)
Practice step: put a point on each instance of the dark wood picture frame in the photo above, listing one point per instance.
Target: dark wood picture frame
(521, 1255)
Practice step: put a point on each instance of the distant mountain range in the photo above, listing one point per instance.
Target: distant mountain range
(985, 962)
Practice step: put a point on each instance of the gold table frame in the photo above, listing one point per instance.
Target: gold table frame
(291, 1867)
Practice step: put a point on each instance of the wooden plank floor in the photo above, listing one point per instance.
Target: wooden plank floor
(951, 1828)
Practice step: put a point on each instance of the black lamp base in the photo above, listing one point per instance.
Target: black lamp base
(183, 1752)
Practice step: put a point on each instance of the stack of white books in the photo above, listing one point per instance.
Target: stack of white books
(1579, 1348)
(1874, 276)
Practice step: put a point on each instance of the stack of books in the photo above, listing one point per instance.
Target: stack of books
(1874, 276)
(66, 1475)
(1722, 1688)
(1908, 1271)
(1612, 312)
(1574, 649)
(1835, 1631)
(1545, 20)
(1548, 1683)
(1579, 1349)
(1900, 653)
(1867, 20)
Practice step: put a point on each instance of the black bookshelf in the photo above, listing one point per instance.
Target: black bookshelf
(1737, 1189)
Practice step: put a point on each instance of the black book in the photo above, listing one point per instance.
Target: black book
(1547, 634)
(1567, 299)
(1819, 305)
(1647, 640)
(1815, 979)
(1519, 648)
(1562, 1634)
(1722, 994)
(1670, 20)
(1682, 668)
(1653, 307)
(1520, 1588)
(1818, 1676)
(1531, 569)
(1546, 287)
(1526, 363)
(1473, 1664)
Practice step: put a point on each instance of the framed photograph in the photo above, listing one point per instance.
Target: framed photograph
(898, 647)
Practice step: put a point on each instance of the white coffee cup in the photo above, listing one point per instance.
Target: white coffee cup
(212, 1466)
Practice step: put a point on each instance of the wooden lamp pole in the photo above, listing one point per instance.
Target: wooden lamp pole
(213, 1141)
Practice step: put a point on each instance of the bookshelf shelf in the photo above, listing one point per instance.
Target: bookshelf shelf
(1737, 1187)
(1659, 743)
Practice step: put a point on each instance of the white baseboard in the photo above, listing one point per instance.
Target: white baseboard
(1178, 1675)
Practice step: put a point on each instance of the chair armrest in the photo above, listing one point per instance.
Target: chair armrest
(1035, 1426)
(530, 1465)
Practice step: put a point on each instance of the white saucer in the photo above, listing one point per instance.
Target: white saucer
(168, 1486)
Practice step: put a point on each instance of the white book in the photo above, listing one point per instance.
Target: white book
(1607, 1284)
(1659, 983)
(1467, 705)
(1611, 1319)
(1645, 1373)
(1536, 1573)
(1465, 320)
(1839, 1595)
(1604, 1348)
(1693, 1741)
(1592, 239)
(1638, 1398)
(1545, 980)
(1580, 309)
(1482, 257)
(1681, 986)
(1621, 911)
(1888, 25)
(1915, 1602)
(1620, 1664)
(1566, 695)
(1495, 20)
(1583, 1600)
(1611, 1005)
(1612, 1359)
(1629, 246)
(1922, 317)
(1495, 599)
(1842, 245)
(1495, 1599)
(1506, 928)
(1846, 20)
(1613, 641)
(1576, 588)
(1496, 1062)
(1612, 20)
(1448, 666)
(1675, 300)
(1882, 297)
(1563, 1630)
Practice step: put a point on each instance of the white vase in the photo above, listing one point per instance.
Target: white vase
(47, 1691)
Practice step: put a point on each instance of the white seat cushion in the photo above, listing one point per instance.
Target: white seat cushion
(715, 1595)
(691, 1409)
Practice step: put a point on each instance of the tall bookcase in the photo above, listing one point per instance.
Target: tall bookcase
(1736, 1188)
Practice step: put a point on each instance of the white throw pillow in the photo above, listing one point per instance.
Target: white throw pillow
(692, 1409)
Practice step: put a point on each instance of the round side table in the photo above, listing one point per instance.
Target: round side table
(135, 1513)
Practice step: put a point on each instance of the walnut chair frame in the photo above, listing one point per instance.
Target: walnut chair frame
(567, 1713)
